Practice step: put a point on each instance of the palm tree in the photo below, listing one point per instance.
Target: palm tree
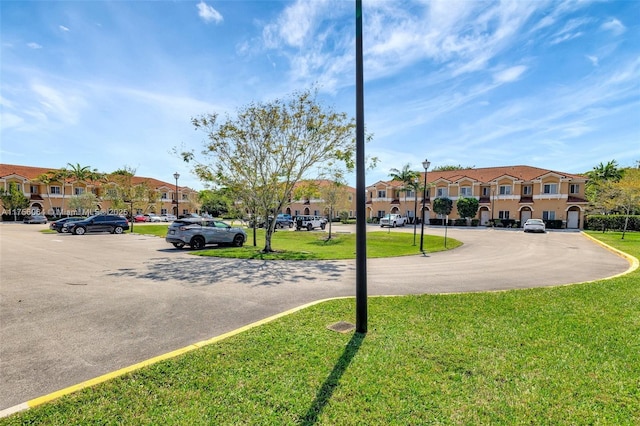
(606, 172)
(46, 179)
(407, 177)
(83, 174)
(60, 175)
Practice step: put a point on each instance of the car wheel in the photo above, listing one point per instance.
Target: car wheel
(117, 230)
(290, 224)
(59, 231)
(322, 226)
(178, 245)
(79, 230)
(238, 240)
(197, 243)
(309, 227)
(394, 224)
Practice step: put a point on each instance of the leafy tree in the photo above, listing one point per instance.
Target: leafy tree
(623, 194)
(84, 203)
(443, 206)
(335, 195)
(406, 176)
(13, 200)
(215, 201)
(467, 207)
(599, 177)
(268, 147)
(121, 191)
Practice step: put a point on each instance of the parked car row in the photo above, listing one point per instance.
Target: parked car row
(154, 218)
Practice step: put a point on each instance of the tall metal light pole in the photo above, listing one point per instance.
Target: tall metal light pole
(176, 175)
(426, 165)
(361, 221)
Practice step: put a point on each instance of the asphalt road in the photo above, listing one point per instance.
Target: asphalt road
(75, 307)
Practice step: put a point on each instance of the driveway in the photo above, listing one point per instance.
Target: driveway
(75, 307)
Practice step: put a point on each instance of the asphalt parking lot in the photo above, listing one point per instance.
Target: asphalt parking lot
(75, 307)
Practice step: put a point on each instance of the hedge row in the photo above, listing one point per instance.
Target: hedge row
(599, 222)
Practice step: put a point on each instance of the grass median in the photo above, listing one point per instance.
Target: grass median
(305, 245)
(558, 355)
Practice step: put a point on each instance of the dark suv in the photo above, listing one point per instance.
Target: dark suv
(98, 223)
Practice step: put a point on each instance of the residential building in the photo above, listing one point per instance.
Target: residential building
(51, 196)
(308, 199)
(510, 193)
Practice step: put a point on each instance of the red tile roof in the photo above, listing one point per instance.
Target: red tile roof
(32, 173)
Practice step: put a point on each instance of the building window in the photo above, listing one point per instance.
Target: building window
(57, 211)
(112, 193)
(550, 188)
(410, 194)
(34, 189)
(486, 191)
(164, 196)
(527, 190)
(381, 213)
(441, 192)
(316, 212)
(574, 188)
(505, 190)
(55, 190)
(549, 215)
(382, 193)
(78, 191)
(503, 214)
(465, 191)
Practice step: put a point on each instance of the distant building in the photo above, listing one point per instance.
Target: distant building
(51, 197)
(510, 194)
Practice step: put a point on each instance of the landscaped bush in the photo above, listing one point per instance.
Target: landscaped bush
(611, 222)
(460, 222)
(475, 222)
(553, 224)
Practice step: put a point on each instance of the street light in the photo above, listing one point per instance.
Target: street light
(426, 165)
(176, 175)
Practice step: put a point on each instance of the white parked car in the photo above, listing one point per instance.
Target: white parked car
(393, 220)
(534, 225)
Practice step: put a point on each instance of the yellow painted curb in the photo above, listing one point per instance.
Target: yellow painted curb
(100, 379)
(634, 263)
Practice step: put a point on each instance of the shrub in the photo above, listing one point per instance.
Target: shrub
(602, 222)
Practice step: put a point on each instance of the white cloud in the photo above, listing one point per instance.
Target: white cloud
(570, 30)
(208, 13)
(34, 45)
(615, 26)
(593, 60)
(64, 107)
(509, 75)
(63, 28)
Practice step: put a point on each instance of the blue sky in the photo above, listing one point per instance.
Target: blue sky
(551, 84)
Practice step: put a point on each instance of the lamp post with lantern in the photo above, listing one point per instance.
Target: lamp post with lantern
(176, 175)
(426, 165)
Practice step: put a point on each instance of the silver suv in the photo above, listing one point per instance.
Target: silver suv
(198, 232)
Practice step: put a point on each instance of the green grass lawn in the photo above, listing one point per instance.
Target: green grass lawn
(565, 355)
(304, 245)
